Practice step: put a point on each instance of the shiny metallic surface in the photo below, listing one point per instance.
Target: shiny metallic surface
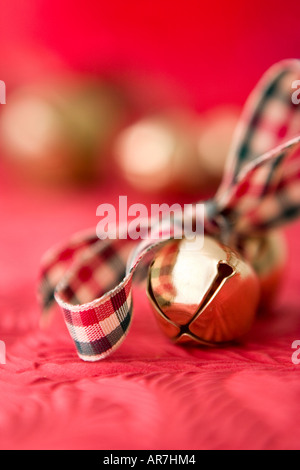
(202, 291)
(268, 256)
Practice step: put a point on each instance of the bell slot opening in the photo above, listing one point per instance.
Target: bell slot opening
(224, 271)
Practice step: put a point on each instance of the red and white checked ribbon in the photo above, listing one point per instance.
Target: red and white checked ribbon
(91, 279)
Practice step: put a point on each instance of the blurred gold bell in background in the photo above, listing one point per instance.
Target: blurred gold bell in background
(268, 256)
(59, 131)
(202, 291)
(176, 150)
(69, 127)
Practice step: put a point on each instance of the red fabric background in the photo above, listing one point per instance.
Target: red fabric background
(150, 394)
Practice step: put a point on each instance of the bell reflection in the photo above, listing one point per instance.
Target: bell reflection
(202, 292)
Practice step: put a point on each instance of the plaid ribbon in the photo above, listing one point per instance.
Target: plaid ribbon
(91, 279)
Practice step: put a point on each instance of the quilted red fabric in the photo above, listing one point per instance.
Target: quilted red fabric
(150, 394)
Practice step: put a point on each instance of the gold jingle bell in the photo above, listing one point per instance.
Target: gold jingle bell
(202, 291)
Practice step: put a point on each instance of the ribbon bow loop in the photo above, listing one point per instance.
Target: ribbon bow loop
(259, 190)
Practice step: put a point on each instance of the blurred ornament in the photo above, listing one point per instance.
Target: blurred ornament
(176, 151)
(202, 291)
(58, 132)
(158, 153)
